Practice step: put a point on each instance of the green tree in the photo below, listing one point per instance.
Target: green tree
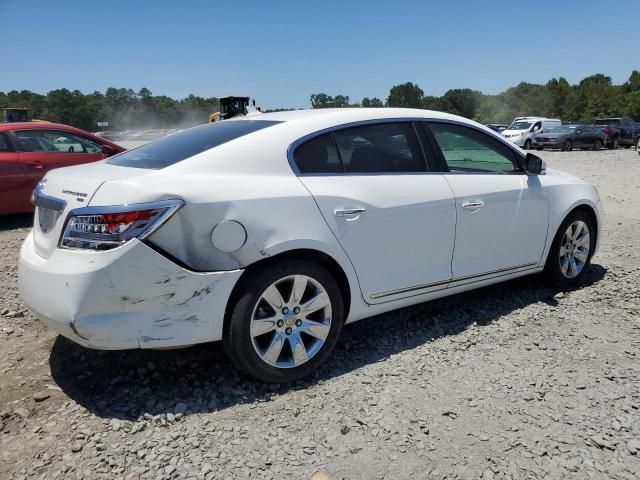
(461, 101)
(321, 100)
(406, 95)
(374, 102)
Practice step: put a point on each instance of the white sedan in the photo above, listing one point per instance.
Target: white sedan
(270, 233)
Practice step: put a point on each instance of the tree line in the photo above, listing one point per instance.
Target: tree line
(595, 96)
(122, 108)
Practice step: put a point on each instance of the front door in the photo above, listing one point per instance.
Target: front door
(15, 188)
(395, 220)
(502, 213)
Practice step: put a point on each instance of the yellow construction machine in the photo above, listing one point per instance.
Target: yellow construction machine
(231, 107)
(11, 115)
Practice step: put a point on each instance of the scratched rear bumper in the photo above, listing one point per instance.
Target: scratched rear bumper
(128, 297)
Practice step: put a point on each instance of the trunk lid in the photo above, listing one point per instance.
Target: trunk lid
(68, 188)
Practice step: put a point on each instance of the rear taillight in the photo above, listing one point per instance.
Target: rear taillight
(104, 228)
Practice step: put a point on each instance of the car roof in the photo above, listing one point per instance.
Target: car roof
(37, 125)
(290, 128)
(346, 115)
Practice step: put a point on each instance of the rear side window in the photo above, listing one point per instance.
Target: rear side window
(318, 155)
(182, 145)
(5, 146)
(466, 150)
(380, 148)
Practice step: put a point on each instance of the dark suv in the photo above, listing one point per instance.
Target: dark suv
(618, 131)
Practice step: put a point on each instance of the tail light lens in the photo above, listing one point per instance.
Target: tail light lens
(104, 228)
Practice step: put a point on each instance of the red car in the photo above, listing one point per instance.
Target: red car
(29, 150)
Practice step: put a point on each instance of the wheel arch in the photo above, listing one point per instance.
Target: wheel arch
(313, 255)
(588, 209)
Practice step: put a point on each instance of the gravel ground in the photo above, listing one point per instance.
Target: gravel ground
(517, 380)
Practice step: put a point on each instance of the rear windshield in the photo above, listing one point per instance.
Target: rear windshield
(182, 145)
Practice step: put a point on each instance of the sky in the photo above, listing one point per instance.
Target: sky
(280, 52)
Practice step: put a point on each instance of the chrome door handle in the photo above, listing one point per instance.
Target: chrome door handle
(349, 213)
(473, 205)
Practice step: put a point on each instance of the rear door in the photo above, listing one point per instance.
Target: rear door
(15, 188)
(502, 213)
(394, 218)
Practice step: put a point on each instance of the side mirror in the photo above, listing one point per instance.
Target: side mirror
(108, 150)
(578, 132)
(535, 164)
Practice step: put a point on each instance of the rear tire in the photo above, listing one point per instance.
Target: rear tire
(615, 144)
(290, 346)
(571, 250)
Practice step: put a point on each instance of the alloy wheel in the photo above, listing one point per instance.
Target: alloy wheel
(574, 249)
(291, 321)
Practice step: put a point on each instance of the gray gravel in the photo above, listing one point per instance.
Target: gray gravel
(512, 381)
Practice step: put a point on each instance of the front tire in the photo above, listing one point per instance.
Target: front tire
(615, 144)
(571, 250)
(527, 145)
(567, 146)
(285, 321)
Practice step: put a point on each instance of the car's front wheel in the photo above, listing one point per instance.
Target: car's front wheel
(285, 321)
(571, 250)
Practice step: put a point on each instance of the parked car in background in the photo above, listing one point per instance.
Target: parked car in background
(522, 130)
(618, 131)
(271, 233)
(496, 127)
(568, 137)
(29, 150)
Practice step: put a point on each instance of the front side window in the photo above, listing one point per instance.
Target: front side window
(54, 141)
(467, 150)
(380, 148)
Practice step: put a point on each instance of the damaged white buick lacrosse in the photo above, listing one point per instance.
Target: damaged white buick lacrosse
(271, 232)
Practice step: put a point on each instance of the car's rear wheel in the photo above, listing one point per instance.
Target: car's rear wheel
(571, 250)
(615, 144)
(285, 322)
(596, 145)
(567, 146)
